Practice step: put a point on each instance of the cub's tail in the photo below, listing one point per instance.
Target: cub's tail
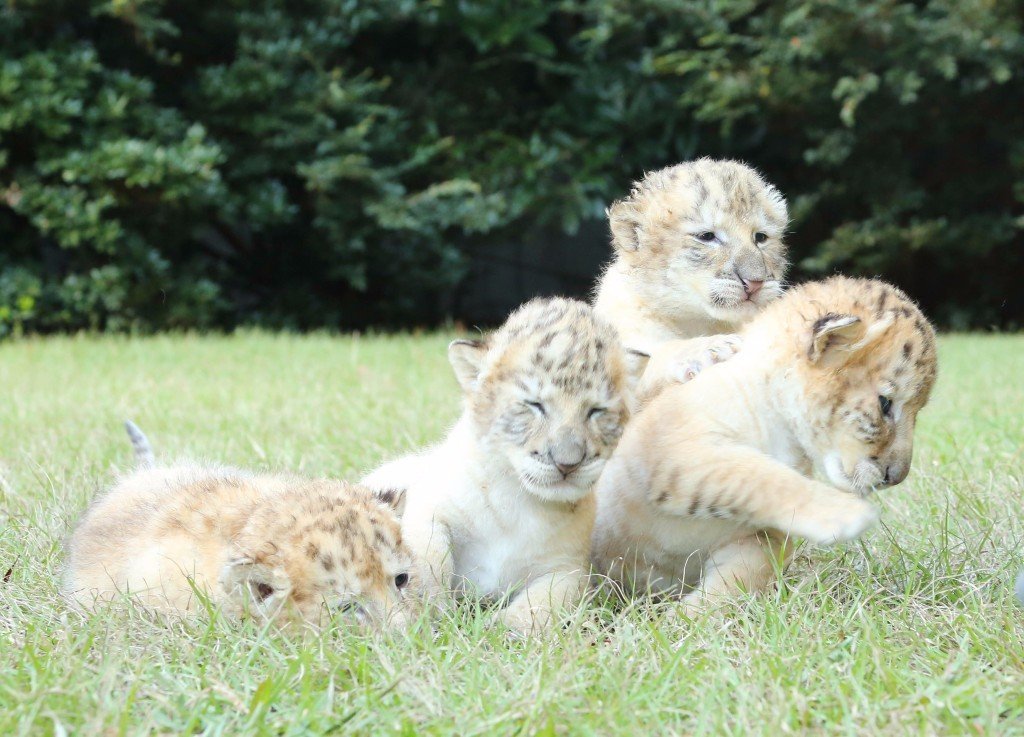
(144, 457)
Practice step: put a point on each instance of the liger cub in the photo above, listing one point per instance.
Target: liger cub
(713, 476)
(503, 508)
(266, 545)
(698, 251)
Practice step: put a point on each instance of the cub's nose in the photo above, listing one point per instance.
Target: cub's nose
(566, 468)
(896, 472)
(751, 286)
(568, 452)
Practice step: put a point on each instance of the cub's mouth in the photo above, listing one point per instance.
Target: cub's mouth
(865, 477)
(738, 297)
(549, 484)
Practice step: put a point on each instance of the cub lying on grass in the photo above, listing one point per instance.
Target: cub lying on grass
(712, 477)
(504, 505)
(261, 544)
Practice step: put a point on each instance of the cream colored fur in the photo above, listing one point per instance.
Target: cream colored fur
(261, 544)
(489, 512)
(668, 279)
(713, 476)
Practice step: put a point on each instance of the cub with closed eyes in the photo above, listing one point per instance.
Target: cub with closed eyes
(503, 508)
(271, 546)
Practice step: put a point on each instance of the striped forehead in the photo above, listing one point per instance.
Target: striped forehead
(912, 361)
(715, 202)
(554, 342)
(563, 361)
(349, 520)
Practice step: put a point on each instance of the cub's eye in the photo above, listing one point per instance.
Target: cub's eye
(401, 580)
(536, 406)
(707, 236)
(885, 404)
(760, 237)
(262, 591)
(595, 411)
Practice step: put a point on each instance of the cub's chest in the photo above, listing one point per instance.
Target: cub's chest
(784, 448)
(502, 552)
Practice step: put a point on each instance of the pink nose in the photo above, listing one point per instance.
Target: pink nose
(751, 287)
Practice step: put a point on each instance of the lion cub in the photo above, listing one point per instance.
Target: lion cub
(503, 507)
(698, 251)
(712, 477)
(253, 543)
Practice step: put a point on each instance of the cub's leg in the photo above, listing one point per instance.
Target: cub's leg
(696, 479)
(679, 361)
(534, 608)
(745, 565)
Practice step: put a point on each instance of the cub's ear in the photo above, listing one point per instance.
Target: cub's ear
(394, 498)
(251, 585)
(833, 333)
(779, 203)
(636, 364)
(624, 220)
(467, 359)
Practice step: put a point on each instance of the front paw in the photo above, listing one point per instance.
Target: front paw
(836, 517)
(523, 620)
(701, 354)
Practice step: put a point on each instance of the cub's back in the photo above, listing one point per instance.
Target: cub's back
(154, 524)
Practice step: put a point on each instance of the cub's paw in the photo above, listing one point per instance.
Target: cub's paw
(834, 518)
(524, 620)
(702, 353)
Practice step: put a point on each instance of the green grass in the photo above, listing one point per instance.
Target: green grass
(914, 629)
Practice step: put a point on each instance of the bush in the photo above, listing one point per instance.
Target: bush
(338, 162)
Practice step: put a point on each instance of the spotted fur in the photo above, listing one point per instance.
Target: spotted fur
(664, 282)
(260, 544)
(712, 477)
(552, 353)
(504, 506)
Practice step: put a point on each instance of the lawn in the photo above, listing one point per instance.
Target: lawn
(912, 630)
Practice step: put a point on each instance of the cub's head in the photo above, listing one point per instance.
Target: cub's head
(547, 395)
(867, 364)
(703, 237)
(321, 549)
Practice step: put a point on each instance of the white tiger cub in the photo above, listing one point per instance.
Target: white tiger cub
(503, 507)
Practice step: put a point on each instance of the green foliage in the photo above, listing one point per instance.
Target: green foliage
(337, 162)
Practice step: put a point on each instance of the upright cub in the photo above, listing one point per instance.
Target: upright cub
(504, 505)
(254, 543)
(698, 251)
(713, 475)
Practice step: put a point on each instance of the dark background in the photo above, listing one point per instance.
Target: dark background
(352, 163)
